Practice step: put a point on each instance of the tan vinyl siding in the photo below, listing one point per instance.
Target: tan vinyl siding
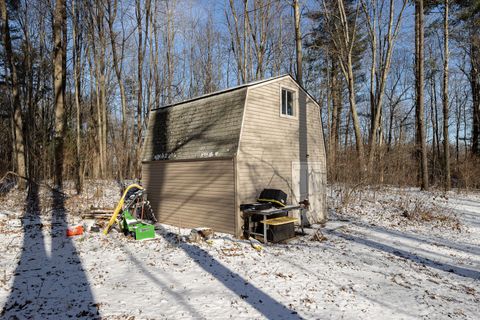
(269, 143)
(192, 193)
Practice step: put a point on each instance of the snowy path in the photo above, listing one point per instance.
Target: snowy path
(366, 269)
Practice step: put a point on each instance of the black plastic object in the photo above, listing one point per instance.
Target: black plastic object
(259, 217)
(275, 196)
(255, 206)
(278, 233)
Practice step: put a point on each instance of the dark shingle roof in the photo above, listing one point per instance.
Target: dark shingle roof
(208, 127)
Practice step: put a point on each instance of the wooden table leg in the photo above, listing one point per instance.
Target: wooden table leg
(301, 220)
(265, 230)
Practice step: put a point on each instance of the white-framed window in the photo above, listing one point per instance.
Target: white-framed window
(287, 105)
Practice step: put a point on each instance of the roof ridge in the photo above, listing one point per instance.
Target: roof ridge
(241, 86)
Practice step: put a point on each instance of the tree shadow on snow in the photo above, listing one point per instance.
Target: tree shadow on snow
(256, 298)
(429, 240)
(49, 281)
(461, 271)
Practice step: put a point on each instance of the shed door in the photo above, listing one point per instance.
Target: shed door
(192, 194)
(307, 182)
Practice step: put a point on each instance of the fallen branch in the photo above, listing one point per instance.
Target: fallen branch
(318, 236)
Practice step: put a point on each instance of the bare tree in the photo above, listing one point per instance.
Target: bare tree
(344, 42)
(379, 73)
(235, 42)
(117, 64)
(446, 146)
(19, 144)
(336, 85)
(419, 85)
(246, 78)
(259, 30)
(102, 89)
(397, 91)
(169, 51)
(298, 40)
(474, 77)
(77, 51)
(140, 57)
(59, 62)
(97, 42)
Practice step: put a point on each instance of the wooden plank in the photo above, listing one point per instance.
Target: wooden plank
(279, 221)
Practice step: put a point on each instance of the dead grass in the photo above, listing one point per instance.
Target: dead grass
(393, 206)
(428, 212)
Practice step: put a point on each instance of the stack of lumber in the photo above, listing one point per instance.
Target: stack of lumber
(98, 213)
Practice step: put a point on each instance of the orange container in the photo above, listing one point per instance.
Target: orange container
(74, 231)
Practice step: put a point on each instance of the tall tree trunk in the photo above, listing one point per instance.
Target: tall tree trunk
(102, 85)
(347, 132)
(155, 60)
(169, 53)
(336, 94)
(279, 60)
(93, 124)
(433, 119)
(140, 80)
(98, 123)
(29, 127)
(458, 118)
(245, 43)
(298, 41)
(390, 127)
(142, 43)
(138, 14)
(235, 45)
(117, 64)
(475, 86)
(333, 134)
(446, 56)
(355, 118)
(19, 143)
(59, 63)
(76, 78)
(373, 69)
(419, 88)
(435, 114)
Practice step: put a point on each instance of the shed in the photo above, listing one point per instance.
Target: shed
(203, 157)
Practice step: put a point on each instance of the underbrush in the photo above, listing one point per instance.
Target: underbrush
(395, 207)
(96, 193)
(428, 212)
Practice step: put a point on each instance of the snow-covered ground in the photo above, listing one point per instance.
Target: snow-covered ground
(388, 254)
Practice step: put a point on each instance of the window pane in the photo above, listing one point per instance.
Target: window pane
(290, 103)
(284, 102)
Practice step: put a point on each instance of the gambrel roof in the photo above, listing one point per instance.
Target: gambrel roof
(203, 127)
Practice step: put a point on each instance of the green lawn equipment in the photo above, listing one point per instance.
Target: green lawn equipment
(137, 229)
(133, 214)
